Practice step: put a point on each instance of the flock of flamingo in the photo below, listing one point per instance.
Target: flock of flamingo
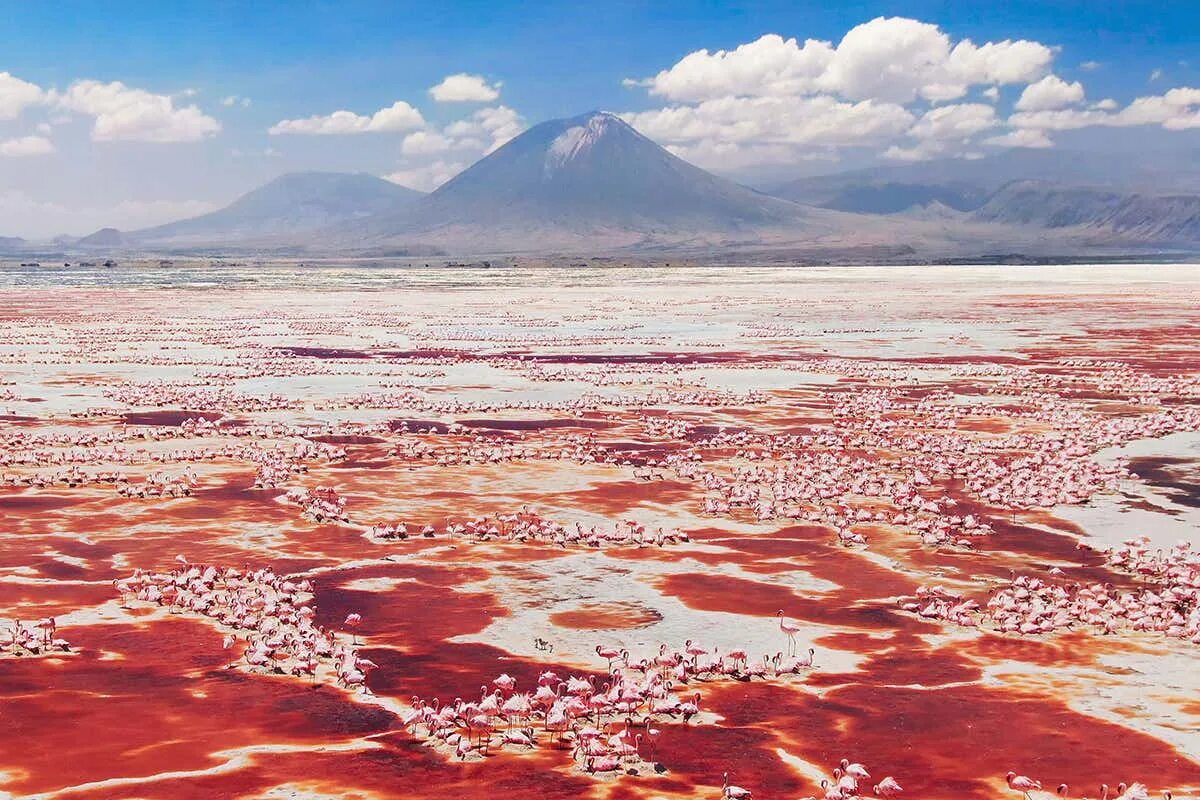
(417, 501)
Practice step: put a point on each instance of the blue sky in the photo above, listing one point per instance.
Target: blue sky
(109, 135)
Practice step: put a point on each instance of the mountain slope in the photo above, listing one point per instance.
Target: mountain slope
(11, 244)
(593, 179)
(966, 184)
(295, 203)
(104, 239)
(1164, 218)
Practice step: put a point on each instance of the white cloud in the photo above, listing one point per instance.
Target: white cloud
(945, 131)
(501, 123)
(235, 100)
(26, 146)
(425, 143)
(780, 100)
(123, 113)
(465, 88)
(399, 116)
(1022, 137)
(1156, 74)
(485, 130)
(954, 122)
(17, 95)
(921, 151)
(1049, 93)
(765, 67)
(738, 155)
(427, 177)
(892, 83)
(820, 120)
(1176, 109)
(454, 147)
(890, 59)
(1062, 119)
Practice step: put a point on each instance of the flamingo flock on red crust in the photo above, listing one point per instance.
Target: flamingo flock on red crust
(909, 468)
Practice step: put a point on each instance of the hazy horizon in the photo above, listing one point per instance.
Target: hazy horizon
(139, 119)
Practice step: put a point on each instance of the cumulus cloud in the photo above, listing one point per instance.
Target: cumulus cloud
(494, 126)
(17, 95)
(1021, 137)
(465, 88)
(954, 122)
(427, 177)
(1176, 109)
(425, 143)
(819, 120)
(26, 146)
(885, 84)
(769, 66)
(399, 116)
(894, 84)
(123, 113)
(921, 151)
(431, 156)
(235, 100)
(742, 155)
(1049, 93)
(945, 131)
(890, 59)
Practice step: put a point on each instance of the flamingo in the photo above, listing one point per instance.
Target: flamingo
(652, 735)
(888, 787)
(603, 764)
(733, 792)
(611, 654)
(1022, 784)
(352, 622)
(790, 628)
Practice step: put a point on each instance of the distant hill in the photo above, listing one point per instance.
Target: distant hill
(1159, 218)
(593, 184)
(11, 244)
(966, 184)
(103, 239)
(592, 180)
(296, 203)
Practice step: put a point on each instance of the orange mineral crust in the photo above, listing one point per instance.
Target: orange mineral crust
(835, 532)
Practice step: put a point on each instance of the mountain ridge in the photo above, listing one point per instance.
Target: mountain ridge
(587, 177)
(293, 203)
(592, 183)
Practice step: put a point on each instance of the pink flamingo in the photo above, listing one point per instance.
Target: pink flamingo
(1022, 784)
(791, 628)
(733, 792)
(888, 787)
(352, 622)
